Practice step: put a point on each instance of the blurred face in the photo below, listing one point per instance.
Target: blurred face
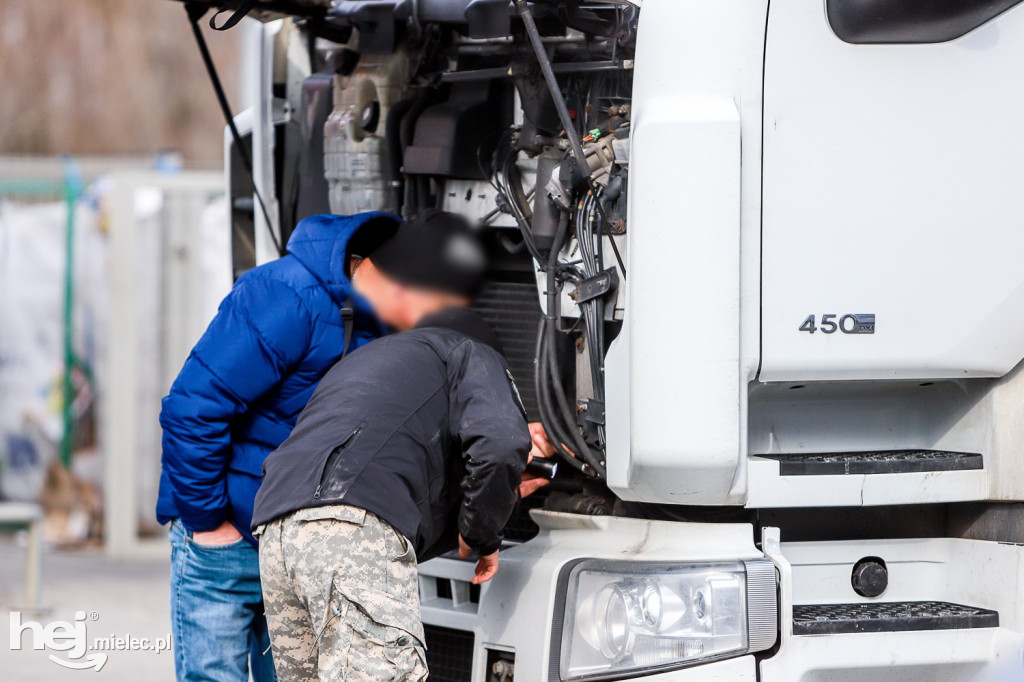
(396, 305)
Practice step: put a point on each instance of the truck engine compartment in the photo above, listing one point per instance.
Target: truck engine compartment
(517, 117)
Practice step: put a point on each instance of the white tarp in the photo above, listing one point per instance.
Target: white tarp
(32, 331)
(31, 323)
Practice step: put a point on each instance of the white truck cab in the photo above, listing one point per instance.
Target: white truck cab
(756, 265)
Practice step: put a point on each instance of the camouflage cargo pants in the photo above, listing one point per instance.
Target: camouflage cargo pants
(341, 594)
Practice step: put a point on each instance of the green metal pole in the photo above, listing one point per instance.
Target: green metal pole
(70, 197)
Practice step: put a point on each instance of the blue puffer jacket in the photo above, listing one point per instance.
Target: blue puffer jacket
(246, 381)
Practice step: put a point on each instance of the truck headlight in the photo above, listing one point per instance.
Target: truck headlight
(632, 617)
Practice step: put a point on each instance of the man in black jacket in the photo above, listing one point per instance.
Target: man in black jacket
(409, 445)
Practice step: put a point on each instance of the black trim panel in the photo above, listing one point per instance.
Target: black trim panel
(558, 620)
(876, 462)
(904, 616)
(910, 21)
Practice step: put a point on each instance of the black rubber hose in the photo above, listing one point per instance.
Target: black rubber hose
(583, 450)
(515, 180)
(408, 130)
(551, 318)
(560, 432)
(422, 193)
(411, 199)
(420, 103)
(395, 151)
(556, 434)
(552, 424)
(502, 184)
(552, 267)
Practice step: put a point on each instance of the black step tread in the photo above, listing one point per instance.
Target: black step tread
(900, 616)
(875, 462)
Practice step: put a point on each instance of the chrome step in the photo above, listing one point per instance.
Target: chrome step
(875, 462)
(903, 616)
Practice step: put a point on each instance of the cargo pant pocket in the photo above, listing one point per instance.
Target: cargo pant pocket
(383, 651)
(409, 661)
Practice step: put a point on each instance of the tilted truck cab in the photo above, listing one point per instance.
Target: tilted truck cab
(755, 264)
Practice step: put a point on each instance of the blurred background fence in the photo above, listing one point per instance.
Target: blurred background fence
(109, 271)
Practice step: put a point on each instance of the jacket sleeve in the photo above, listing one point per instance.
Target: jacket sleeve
(486, 416)
(261, 330)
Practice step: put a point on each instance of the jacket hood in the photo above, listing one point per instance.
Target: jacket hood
(324, 244)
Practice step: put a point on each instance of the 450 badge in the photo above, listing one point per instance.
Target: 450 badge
(851, 323)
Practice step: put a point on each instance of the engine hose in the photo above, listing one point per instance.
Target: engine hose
(552, 426)
(542, 355)
(515, 181)
(549, 356)
(564, 433)
(504, 188)
(552, 267)
(408, 127)
(583, 449)
(408, 130)
(395, 152)
(411, 200)
(422, 193)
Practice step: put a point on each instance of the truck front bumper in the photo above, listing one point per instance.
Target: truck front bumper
(515, 615)
(513, 618)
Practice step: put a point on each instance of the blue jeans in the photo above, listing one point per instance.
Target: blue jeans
(217, 611)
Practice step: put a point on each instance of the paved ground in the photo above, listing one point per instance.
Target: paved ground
(128, 598)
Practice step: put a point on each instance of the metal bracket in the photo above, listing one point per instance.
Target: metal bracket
(592, 411)
(597, 286)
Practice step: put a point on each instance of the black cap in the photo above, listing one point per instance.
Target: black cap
(437, 250)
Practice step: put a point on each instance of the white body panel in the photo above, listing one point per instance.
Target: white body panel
(678, 372)
(685, 419)
(982, 574)
(892, 186)
(970, 415)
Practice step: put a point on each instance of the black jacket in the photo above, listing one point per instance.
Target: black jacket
(421, 428)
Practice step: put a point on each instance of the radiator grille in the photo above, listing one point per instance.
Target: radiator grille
(449, 654)
(512, 310)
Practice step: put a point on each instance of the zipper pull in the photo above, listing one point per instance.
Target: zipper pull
(316, 495)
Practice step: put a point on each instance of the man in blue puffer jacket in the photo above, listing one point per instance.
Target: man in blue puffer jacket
(235, 400)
